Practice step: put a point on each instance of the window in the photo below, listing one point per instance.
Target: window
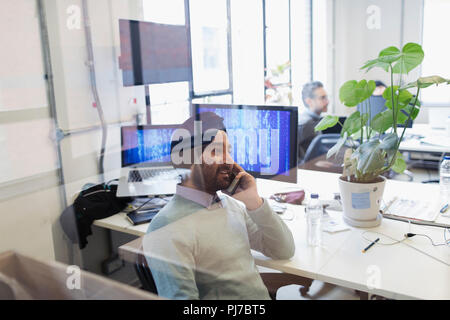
(210, 56)
(436, 50)
(248, 51)
(290, 48)
(277, 52)
(209, 45)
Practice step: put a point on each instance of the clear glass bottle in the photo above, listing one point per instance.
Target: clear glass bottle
(314, 213)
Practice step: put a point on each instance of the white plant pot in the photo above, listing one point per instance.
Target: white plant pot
(361, 202)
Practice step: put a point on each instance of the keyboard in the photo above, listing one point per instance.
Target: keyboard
(154, 174)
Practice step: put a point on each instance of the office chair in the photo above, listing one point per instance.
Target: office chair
(320, 145)
(144, 273)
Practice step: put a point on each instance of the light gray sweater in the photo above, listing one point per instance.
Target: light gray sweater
(198, 252)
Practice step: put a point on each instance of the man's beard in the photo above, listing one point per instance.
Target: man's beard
(212, 178)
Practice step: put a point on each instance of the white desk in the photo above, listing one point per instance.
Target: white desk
(420, 145)
(399, 271)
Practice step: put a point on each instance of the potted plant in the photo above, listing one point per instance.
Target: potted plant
(276, 92)
(374, 144)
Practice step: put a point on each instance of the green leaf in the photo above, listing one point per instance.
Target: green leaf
(424, 82)
(389, 55)
(369, 89)
(389, 142)
(352, 92)
(402, 96)
(353, 123)
(326, 122)
(385, 58)
(402, 61)
(335, 149)
(384, 120)
(375, 63)
(411, 56)
(389, 145)
(399, 165)
(401, 117)
(410, 109)
(370, 156)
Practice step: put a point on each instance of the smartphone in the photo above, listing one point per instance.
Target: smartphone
(233, 186)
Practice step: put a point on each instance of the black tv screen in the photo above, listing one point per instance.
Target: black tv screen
(153, 53)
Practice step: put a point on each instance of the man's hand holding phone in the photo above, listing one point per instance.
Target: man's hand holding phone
(243, 188)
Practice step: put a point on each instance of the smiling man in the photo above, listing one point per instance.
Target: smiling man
(198, 246)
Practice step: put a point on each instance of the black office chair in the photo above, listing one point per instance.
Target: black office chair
(145, 274)
(320, 145)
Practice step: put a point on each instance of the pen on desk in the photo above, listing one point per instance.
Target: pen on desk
(370, 245)
(444, 208)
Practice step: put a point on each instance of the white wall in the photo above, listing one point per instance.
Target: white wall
(29, 210)
(73, 92)
(359, 37)
(29, 193)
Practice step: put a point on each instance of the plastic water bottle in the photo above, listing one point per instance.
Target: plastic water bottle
(313, 220)
(444, 180)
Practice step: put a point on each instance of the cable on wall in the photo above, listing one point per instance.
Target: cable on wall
(92, 76)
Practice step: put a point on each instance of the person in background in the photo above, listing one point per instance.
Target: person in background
(376, 101)
(316, 101)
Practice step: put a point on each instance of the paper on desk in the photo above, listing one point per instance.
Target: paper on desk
(437, 141)
(414, 209)
(333, 225)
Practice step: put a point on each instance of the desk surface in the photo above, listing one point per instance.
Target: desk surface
(394, 271)
(417, 144)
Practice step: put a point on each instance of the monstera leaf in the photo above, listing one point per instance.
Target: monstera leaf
(335, 149)
(354, 123)
(402, 61)
(402, 97)
(410, 57)
(424, 82)
(385, 58)
(399, 164)
(369, 156)
(385, 120)
(352, 92)
(326, 122)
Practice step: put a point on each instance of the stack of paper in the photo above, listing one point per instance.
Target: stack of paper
(411, 209)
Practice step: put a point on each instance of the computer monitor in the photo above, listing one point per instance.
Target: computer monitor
(263, 138)
(146, 144)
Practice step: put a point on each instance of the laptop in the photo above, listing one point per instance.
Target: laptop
(146, 166)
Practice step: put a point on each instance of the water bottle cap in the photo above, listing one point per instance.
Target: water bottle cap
(446, 157)
(314, 196)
